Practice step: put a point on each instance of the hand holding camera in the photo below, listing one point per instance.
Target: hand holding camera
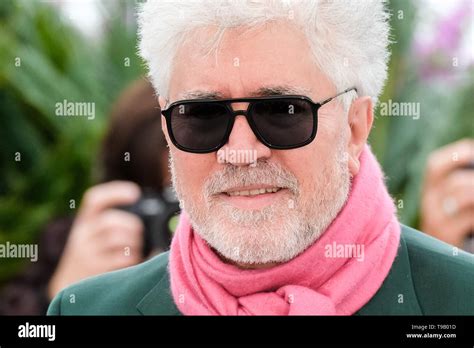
(102, 238)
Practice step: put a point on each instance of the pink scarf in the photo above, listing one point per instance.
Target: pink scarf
(319, 281)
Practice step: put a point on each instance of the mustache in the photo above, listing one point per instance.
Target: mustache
(263, 173)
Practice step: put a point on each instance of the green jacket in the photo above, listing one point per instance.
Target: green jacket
(428, 277)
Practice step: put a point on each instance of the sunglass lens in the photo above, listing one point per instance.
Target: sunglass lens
(284, 122)
(199, 126)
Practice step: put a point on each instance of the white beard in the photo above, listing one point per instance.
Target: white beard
(276, 233)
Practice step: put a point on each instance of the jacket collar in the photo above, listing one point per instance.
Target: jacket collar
(396, 296)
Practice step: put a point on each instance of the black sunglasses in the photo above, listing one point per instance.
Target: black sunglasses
(279, 122)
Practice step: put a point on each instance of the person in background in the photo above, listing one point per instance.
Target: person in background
(447, 204)
(133, 157)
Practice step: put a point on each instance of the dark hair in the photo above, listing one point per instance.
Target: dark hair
(135, 131)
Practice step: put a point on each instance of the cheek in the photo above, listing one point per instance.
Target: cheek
(302, 163)
(332, 129)
(310, 163)
(330, 126)
(192, 171)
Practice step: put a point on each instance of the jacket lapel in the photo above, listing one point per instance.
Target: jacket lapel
(397, 294)
(158, 301)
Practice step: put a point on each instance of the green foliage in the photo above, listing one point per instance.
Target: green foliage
(43, 62)
(403, 144)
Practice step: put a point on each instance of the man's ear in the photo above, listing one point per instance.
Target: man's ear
(361, 116)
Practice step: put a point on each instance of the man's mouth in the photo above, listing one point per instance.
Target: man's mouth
(253, 192)
(252, 197)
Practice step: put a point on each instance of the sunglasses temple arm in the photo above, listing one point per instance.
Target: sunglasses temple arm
(337, 95)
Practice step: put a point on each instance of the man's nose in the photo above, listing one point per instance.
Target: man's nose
(242, 148)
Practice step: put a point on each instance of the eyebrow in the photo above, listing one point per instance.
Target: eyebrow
(198, 94)
(261, 92)
(280, 90)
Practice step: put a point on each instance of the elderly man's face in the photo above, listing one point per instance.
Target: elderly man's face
(312, 182)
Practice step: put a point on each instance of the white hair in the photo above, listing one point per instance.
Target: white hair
(349, 38)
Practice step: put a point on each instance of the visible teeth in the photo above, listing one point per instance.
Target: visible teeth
(254, 192)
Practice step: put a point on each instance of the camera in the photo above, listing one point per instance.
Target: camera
(157, 211)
